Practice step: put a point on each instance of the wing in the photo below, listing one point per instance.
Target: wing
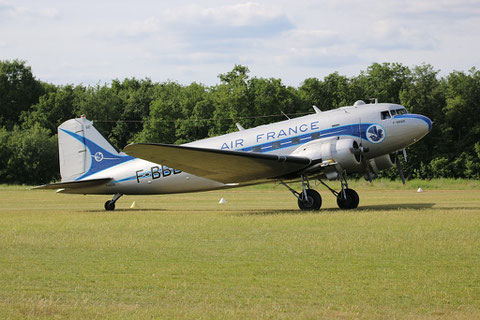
(219, 165)
(75, 184)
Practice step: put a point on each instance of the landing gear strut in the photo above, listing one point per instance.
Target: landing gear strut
(347, 198)
(308, 199)
(110, 204)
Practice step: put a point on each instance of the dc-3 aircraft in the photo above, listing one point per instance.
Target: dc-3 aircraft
(363, 138)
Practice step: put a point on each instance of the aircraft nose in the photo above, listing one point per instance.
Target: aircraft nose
(427, 121)
(423, 124)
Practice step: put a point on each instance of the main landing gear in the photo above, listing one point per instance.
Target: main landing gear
(110, 204)
(309, 199)
(347, 198)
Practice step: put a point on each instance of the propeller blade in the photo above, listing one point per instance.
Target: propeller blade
(400, 169)
(366, 168)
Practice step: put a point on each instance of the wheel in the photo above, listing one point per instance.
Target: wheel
(109, 205)
(350, 202)
(313, 201)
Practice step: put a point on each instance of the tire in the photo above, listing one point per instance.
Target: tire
(109, 205)
(314, 201)
(350, 202)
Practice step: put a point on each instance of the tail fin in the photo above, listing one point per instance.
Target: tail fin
(83, 151)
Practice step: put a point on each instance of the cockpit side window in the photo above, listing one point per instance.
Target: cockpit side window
(401, 111)
(393, 112)
(385, 115)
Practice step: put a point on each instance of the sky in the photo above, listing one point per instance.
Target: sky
(93, 42)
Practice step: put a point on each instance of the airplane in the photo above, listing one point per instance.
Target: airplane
(329, 145)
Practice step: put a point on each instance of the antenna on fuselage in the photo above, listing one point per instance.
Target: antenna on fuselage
(239, 126)
(316, 109)
(284, 114)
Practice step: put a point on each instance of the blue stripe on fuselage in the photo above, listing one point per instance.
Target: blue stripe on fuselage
(126, 179)
(355, 130)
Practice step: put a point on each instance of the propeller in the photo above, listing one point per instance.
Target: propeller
(399, 165)
(400, 170)
(360, 151)
(368, 174)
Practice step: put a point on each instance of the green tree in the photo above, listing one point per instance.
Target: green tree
(193, 106)
(5, 153)
(103, 106)
(165, 109)
(33, 156)
(384, 81)
(54, 107)
(270, 97)
(231, 100)
(250, 101)
(136, 97)
(424, 94)
(462, 108)
(18, 91)
(331, 93)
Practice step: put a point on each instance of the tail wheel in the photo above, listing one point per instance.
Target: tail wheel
(350, 201)
(109, 205)
(312, 202)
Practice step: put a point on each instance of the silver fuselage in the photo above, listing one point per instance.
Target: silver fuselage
(138, 176)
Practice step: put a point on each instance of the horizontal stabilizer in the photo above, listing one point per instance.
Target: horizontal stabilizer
(75, 184)
(219, 165)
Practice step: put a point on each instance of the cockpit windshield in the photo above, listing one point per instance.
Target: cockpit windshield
(385, 115)
(388, 114)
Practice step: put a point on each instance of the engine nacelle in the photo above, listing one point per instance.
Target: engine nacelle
(383, 162)
(341, 151)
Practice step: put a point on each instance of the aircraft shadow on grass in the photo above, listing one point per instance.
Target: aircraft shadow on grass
(382, 207)
(396, 206)
(129, 210)
(412, 206)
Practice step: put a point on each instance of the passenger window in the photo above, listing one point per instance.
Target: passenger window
(257, 149)
(276, 145)
(295, 140)
(385, 115)
(315, 135)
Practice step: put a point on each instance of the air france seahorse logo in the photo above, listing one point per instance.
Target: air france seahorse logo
(375, 133)
(98, 156)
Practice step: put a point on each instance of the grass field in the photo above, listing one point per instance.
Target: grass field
(402, 254)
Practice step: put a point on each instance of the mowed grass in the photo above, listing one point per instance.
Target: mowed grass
(402, 254)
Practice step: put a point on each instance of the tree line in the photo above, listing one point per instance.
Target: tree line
(139, 110)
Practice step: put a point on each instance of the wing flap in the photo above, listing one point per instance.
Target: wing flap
(219, 165)
(75, 184)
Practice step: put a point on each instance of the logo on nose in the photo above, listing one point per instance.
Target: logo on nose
(375, 133)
